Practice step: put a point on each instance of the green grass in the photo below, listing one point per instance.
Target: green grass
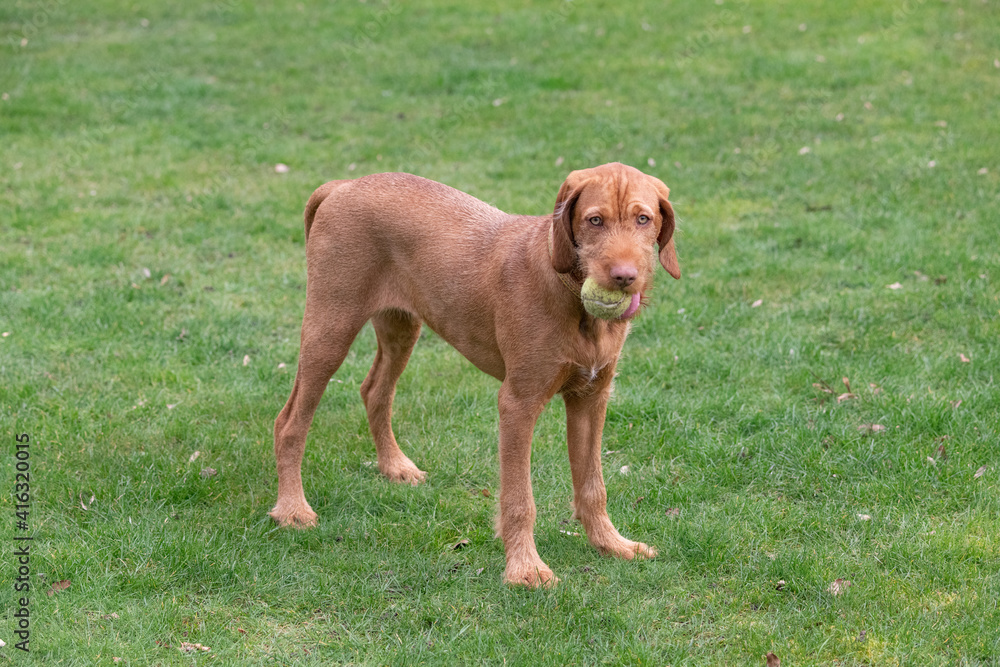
(143, 139)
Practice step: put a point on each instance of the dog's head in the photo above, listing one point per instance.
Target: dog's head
(607, 220)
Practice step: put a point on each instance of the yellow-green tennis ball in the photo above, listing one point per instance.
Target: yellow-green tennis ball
(604, 303)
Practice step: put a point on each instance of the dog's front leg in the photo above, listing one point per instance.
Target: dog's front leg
(584, 426)
(516, 520)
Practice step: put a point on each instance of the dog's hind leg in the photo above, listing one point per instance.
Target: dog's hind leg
(397, 332)
(326, 338)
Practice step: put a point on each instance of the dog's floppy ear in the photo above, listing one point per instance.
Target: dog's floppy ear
(665, 239)
(563, 247)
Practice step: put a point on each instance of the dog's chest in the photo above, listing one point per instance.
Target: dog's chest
(593, 364)
(586, 379)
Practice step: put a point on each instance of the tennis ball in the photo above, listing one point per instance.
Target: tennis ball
(604, 303)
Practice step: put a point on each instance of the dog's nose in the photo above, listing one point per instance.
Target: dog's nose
(624, 275)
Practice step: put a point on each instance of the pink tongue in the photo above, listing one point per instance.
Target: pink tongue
(632, 308)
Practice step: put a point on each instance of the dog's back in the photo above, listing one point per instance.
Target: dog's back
(399, 241)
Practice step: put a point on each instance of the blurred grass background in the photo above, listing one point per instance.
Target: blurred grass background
(817, 154)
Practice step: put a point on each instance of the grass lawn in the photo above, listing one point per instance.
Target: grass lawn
(836, 175)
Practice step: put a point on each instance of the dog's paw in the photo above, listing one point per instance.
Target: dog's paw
(403, 471)
(531, 574)
(627, 549)
(300, 516)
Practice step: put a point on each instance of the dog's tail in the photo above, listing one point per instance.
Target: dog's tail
(321, 193)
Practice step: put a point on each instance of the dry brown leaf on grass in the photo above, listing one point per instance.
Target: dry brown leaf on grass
(871, 428)
(193, 456)
(461, 544)
(849, 394)
(58, 586)
(838, 587)
(674, 511)
(942, 454)
(208, 472)
(188, 647)
(772, 660)
(980, 472)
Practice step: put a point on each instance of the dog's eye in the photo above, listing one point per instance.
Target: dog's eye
(643, 219)
(595, 221)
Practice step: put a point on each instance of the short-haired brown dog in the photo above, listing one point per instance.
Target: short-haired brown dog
(504, 290)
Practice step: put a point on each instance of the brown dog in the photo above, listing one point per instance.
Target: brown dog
(504, 290)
